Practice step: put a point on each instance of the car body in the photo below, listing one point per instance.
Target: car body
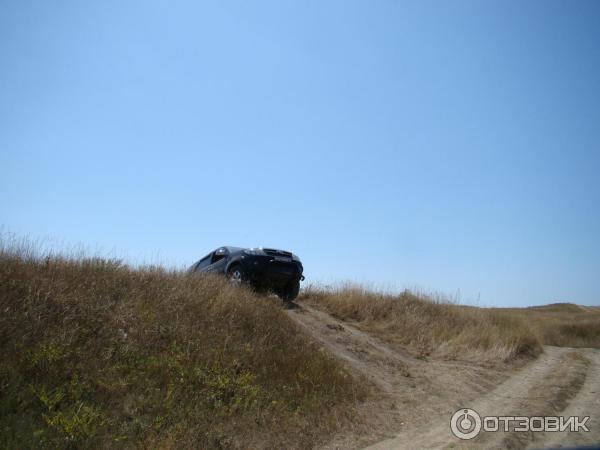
(265, 269)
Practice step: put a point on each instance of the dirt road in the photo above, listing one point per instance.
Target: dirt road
(415, 398)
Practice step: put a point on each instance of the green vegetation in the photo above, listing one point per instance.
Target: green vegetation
(95, 354)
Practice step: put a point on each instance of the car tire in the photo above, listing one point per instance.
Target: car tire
(290, 291)
(235, 275)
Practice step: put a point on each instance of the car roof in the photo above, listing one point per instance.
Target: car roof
(232, 249)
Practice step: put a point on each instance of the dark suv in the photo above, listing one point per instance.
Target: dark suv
(265, 269)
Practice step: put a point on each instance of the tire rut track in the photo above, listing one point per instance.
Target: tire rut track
(427, 393)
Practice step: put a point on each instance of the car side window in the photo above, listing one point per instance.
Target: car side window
(219, 254)
(204, 262)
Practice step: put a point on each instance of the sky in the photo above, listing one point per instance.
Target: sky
(447, 146)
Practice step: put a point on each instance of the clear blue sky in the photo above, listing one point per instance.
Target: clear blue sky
(446, 145)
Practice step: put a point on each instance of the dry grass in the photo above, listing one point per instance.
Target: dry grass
(429, 326)
(561, 324)
(96, 354)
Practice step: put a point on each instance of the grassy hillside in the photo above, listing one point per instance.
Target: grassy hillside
(561, 324)
(95, 354)
(430, 327)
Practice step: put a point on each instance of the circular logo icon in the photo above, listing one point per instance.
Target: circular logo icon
(465, 423)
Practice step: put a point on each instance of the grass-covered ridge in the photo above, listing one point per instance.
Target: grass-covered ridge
(429, 326)
(561, 324)
(96, 354)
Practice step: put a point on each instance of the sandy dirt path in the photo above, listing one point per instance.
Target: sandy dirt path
(585, 403)
(417, 397)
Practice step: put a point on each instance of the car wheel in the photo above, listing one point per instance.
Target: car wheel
(235, 275)
(290, 292)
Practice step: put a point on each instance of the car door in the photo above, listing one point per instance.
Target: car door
(218, 260)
